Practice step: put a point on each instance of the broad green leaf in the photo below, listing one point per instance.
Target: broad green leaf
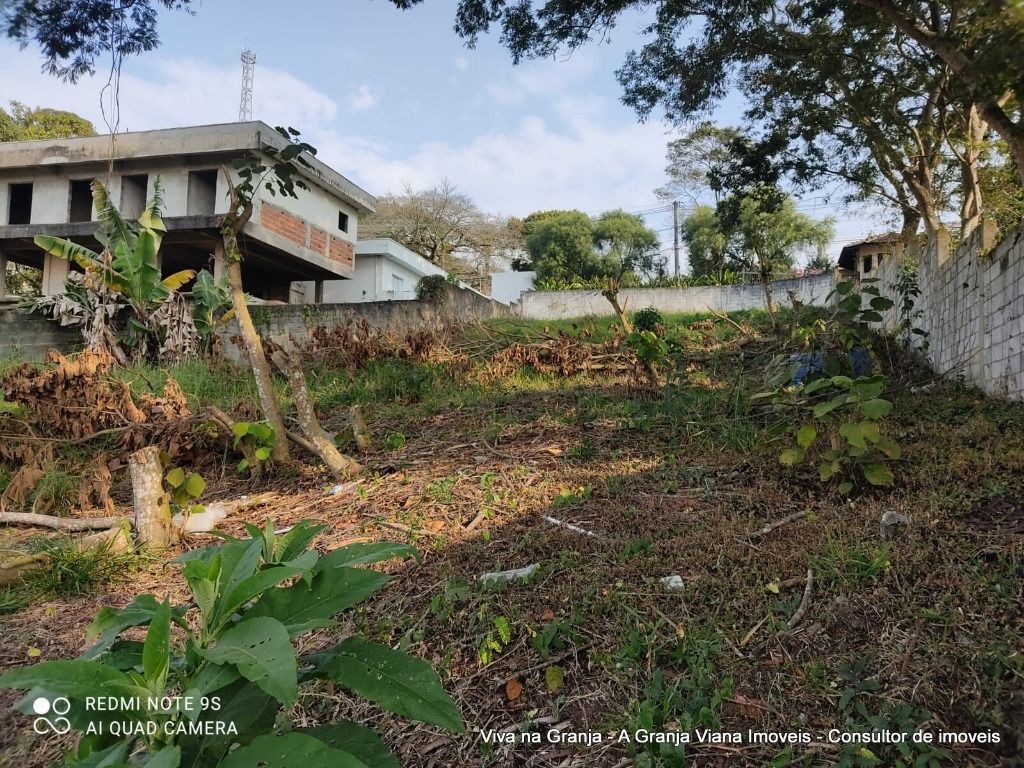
(822, 409)
(262, 453)
(168, 757)
(871, 316)
(889, 447)
(878, 474)
(852, 432)
(869, 430)
(816, 385)
(156, 651)
(245, 706)
(303, 606)
(845, 488)
(880, 304)
(195, 485)
(114, 756)
(262, 651)
(791, 456)
(359, 740)
(868, 388)
(255, 585)
(364, 553)
(842, 381)
(805, 435)
(240, 429)
(71, 678)
(876, 409)
(290, 750)
(296, 541)
(175, 477)
(396, 681)
(110, 622)
(828, 469)
(213, 677)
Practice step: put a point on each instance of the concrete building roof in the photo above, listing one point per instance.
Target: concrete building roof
(389, 249)
(224, 138)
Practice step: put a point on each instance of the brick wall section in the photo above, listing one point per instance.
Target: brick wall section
(278, 220)
(294, 321)
(318, 240)
(972, 305)
(341, 250)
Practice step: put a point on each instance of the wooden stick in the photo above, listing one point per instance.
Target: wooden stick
(805, 601)
(778, 523)
(60, 523)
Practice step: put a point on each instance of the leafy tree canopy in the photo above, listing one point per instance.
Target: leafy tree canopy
(570, 246)
(23, 123)
(73, 34)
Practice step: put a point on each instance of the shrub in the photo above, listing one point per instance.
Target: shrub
(648, 319)
(433, 288)
(228, 661)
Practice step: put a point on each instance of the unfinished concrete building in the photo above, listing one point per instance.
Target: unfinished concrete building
(289, 244)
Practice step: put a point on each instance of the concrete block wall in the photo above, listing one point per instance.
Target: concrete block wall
(564, 305)
(295, 321)
(29, 337)
(972, 307)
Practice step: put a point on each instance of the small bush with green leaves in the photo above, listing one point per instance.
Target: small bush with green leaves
(255, 439)
(648, 319)
(213, 681)
(433, 288)
(185, 489)
(833, 415)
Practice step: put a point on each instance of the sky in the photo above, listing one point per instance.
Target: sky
(393, 98)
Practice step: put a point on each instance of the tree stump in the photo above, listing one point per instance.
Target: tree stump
(152, 505)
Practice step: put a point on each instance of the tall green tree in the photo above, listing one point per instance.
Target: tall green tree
(24, 123)
(613, 249)
(707, 244)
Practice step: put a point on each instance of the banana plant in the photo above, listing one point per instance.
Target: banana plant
(128, 263)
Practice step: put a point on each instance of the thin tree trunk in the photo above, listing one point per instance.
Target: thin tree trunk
(360, 431)
(339, 464)
(975, 129)
(766, 283)
(152, 507)
(257, 359)
(612, 294)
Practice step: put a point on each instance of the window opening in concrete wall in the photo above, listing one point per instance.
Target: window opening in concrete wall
(80, 200)
(133, 195)
(19, 207)
(867, 264)
(343, 221)
(202, 193)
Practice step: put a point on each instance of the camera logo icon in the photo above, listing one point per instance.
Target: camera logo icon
(59, 707)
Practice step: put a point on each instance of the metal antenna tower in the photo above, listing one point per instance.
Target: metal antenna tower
(248, 67)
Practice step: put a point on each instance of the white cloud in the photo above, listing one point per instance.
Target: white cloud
(364, 98)
(461, 63)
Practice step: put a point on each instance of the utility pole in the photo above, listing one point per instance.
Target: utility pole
(675, 233)
(245, 103)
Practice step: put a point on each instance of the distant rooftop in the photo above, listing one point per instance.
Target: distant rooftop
(223, 138)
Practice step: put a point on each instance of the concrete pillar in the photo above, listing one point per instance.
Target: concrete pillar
(218, 268)
(318, 292)
(55, 274)
(3, 275)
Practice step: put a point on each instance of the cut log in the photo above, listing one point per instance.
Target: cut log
(152, 506)
(339, 464)
(60, 523)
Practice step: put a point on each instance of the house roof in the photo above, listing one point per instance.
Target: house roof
(223, 139)
(848, 256)
(389, 249)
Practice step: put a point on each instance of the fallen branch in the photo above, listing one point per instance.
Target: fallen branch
(778, 523)
(15, 570)
(60, 523)
(911, 644)
(733, 323)
(805, 602)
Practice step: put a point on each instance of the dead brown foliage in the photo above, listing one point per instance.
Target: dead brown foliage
(75, 398)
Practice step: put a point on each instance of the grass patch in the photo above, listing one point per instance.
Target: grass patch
(74, 571)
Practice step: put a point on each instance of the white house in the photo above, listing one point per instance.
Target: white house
(384, 271)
